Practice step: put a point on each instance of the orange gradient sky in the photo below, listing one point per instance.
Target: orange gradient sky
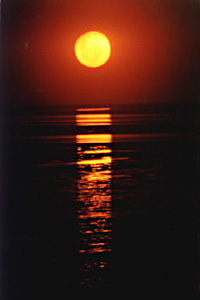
(155, 51)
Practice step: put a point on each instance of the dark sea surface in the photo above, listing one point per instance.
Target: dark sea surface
(101, 201)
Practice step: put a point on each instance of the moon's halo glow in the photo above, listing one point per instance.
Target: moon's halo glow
(92, 49)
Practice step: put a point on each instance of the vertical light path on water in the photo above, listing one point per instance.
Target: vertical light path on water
(94, 195)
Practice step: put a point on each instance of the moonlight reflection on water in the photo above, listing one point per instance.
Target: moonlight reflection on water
(94, 199)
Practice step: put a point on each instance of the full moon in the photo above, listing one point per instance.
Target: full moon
(92, 49)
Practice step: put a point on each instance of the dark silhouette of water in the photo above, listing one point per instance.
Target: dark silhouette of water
(101, 200)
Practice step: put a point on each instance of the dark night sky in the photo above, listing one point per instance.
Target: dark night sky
(155, 51)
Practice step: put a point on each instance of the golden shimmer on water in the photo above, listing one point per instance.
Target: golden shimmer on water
(94, 195)
(93, 138)
(93, 119)
(93, 109)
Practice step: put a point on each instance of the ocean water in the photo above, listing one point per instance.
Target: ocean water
(101, 201)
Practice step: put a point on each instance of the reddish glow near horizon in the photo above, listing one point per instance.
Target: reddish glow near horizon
(92, 49)
(151, 59)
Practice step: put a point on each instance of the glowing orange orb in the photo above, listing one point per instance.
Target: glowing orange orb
(92, 49)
